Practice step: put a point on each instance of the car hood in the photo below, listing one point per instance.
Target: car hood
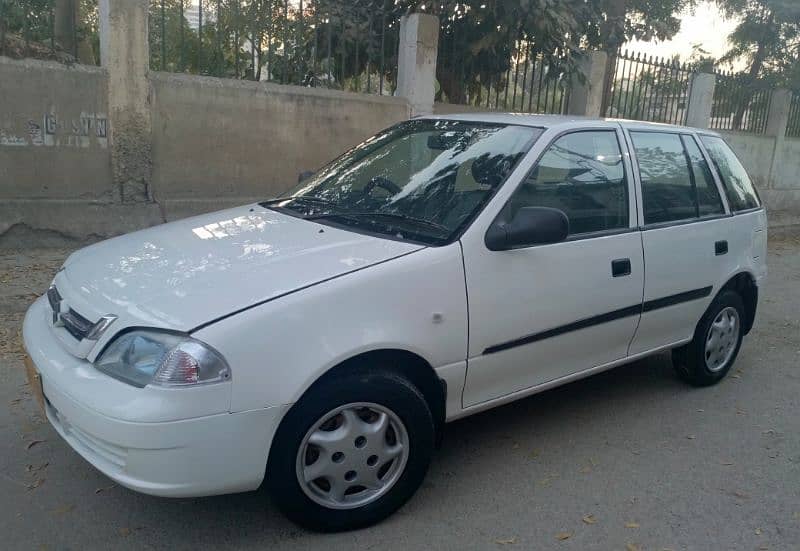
(184, 274)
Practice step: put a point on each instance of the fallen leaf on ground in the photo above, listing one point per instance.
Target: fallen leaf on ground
(632, 547)
(32, 443)
(586, 469)
(758, 531)
(631, 525)
(589, 519)
(32, 468)
(124, 531)
(64, 509)
(36, 484)
(563, 536)
(509, 541)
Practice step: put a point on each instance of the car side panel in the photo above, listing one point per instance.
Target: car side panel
(415, 303)
(681, 259)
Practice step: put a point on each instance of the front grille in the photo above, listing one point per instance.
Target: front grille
(75, 324)
(54, 298)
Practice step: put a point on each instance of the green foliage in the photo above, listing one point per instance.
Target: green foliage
(767, 38)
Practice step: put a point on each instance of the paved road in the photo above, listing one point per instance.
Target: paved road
(628, 459)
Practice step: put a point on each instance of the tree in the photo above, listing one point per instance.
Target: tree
(767, 38)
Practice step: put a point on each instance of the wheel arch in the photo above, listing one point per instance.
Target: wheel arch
(744, 284)
(408, 364)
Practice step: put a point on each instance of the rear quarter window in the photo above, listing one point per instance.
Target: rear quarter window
(737, 184)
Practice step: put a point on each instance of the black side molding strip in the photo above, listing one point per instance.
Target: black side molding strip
(574, 326)
(671, 300)
(614, 315)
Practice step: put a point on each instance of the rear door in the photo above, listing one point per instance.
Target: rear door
(684, 228)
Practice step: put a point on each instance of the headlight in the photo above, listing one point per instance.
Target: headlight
(159, 358)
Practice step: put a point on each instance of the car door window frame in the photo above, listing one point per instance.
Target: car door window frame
(627, 171)
(638, 177)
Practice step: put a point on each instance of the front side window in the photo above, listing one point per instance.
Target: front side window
(582, 175)
(422, 180)
(738, 187)
(667, 191)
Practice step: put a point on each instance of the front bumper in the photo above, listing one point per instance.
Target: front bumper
(197, 456)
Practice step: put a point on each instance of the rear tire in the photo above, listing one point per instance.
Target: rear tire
(334, 431)
(711, 353)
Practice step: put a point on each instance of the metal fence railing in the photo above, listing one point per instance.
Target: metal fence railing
(793, 127)
(64, 30)
(514, 76)
(346, 45)
(649, 89)
(740, 103)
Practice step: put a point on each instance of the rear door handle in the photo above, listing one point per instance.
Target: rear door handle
(720, 248)
(621, 267)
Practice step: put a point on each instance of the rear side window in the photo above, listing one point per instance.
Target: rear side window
(667, 191)
(709, 203)
(738, 187)
(582, 175)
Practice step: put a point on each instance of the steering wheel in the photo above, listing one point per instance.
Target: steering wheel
(385, 183)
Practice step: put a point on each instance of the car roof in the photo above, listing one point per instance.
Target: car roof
(553, 121)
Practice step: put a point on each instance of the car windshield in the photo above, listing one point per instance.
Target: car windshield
(422, 180)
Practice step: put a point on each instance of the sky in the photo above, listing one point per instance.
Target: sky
(704, 25)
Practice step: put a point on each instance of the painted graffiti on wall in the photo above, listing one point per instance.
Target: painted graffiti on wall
(51, 130)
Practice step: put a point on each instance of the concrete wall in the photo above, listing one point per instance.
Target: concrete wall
(774, 165)
(231, 140)
(214, 143)
(53, 131)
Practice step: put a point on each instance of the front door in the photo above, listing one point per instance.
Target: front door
(543, 313)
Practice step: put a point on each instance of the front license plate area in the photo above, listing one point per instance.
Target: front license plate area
(35, 381)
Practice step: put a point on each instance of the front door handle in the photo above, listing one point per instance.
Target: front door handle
(621, 267)
(720, 248)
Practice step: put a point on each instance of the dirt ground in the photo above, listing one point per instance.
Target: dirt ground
(629, 459)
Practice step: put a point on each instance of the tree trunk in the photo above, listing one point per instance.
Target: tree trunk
(66, 15)
(752, 75)
(613, 37)
(450, 84)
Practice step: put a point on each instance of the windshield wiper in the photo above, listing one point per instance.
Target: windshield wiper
(306, 198)
(394, 215)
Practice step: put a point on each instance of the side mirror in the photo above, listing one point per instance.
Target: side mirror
(530, 226)
(305, 175)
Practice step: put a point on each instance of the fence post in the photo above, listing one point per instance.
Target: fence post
(701, 99)
(124, 53)
(777, 123)
(416, 61)
(586, 95)
(778, 117)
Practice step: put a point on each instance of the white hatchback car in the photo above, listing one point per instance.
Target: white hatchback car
(318, 342)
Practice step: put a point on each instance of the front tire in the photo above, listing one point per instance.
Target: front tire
(352, 451)
(711, 353)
